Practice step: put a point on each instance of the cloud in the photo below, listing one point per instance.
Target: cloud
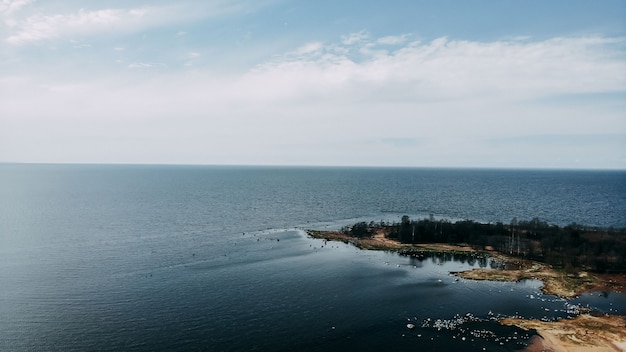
(8, 7)
(435, 103)
(146, 65)
(40, 27)
(444, 69)
(309, 48)
(393, 39)
(354, 38)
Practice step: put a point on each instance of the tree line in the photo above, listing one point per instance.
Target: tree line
(572, 247)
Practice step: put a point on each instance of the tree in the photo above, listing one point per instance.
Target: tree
(512, 243)
(405, 233)
(360, 229)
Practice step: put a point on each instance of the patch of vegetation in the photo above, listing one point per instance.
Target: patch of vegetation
(571, 248)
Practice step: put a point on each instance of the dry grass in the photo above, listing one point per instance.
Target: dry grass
(554, 282)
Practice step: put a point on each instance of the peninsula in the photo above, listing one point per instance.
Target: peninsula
(568, 260)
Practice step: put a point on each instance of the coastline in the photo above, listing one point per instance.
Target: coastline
(585, 332)
(555, 282)
(582, 333)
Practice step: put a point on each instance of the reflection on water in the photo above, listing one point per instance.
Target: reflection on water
(472, 260)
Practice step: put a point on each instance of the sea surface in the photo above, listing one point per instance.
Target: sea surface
(214, 258)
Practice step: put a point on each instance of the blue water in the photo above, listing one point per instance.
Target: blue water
(178, 258)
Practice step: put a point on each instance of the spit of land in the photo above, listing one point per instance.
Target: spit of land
(585, 332)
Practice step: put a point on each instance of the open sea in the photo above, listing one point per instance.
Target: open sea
(213, 258)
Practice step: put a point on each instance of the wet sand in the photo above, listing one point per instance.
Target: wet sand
(538, 344)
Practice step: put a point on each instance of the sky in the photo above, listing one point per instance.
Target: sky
(503, 84)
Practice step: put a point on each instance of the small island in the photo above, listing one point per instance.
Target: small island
(569, 260)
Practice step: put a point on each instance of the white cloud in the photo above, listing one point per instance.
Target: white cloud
(10, 6)
(393, 39)
(192, 58)
(309, 48)
(145, 65)
(447, 69)
(354, 38)
(40, 27)
(432, 103)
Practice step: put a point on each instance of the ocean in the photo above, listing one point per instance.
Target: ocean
(214, 258)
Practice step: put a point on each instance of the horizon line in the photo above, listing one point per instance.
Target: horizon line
(529, 168)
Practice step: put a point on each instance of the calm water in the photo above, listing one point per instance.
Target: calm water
(174, 258)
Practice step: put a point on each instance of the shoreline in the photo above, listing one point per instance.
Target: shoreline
(584, 332)
(555, 282)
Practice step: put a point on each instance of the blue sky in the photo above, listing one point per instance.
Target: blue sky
(538, 84)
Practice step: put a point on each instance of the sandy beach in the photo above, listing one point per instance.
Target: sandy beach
(606, 333)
